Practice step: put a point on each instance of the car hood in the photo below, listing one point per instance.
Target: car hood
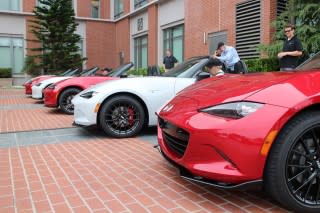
(54, 80)
(84, 81)
(231, 88)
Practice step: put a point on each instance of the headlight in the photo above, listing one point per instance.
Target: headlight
(233, 110)
(88, 94)
(38, 84)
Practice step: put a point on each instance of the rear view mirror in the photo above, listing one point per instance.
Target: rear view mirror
(203, 75)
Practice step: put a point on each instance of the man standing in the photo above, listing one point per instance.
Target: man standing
(291, 50)
(169, 60)
(228, 56)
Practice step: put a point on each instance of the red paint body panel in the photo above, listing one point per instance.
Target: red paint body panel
(51, 96)
(228, 150)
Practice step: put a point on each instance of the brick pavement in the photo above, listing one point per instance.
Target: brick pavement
(83, 171)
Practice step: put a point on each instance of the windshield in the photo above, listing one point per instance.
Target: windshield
(114, 73)
(182, 69)
(312, 63)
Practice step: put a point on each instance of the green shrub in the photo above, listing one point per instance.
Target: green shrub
(143, 71)
(30, 67)
(5, 72)
(262, 64)
(138, 72)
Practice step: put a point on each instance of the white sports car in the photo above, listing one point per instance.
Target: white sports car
(37, 90)
(123, 107)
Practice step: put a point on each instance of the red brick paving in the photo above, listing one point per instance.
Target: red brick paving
(108, 175)
(33, 119)
(17, 101)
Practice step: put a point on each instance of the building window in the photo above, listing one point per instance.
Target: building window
(173, 40)
(80, 45)
(248, 28)
(139, 3)
(95, 11)
(43, 5)
(118, 8)
(11, 54)
(13, 5)
(141, 52)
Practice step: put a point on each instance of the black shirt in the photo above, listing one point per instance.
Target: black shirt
(291, 45)
(169, 61)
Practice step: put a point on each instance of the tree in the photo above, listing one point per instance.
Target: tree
(305, 15)
(54, 27)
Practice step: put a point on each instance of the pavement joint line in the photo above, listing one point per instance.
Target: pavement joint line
(35, 130)
(25, 178)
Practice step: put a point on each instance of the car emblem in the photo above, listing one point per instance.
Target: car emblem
(167, 108)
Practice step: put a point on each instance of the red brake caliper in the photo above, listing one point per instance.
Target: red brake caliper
(131, 116)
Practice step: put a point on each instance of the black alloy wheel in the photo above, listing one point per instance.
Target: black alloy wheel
(122, 116)
(65, 98)
(292, 174)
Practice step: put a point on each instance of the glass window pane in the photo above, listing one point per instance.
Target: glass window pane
(144, 57)
(178, 49)
(95, 8)
(15, 5)
(4, 42)
(5, 56)
(178, 31)
(18, 57)
(5, 4)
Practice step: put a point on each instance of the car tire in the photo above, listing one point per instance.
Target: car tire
(292, 173)
(65, 100)
(122, 116)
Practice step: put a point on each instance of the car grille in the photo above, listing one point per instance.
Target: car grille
(175, 138)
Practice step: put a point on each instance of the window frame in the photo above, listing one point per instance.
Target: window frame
(117, 14)
(12, 54)
(91, 8)
(172, 38)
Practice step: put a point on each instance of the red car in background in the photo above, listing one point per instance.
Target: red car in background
(33, 81)
(61, 93)
(245, 129)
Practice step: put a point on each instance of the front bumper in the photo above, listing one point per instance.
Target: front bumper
(218, 149)
(28, 89)
(50, 98)
(84, 111)
(37, 92)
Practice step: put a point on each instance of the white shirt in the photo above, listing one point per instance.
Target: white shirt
(229, 57)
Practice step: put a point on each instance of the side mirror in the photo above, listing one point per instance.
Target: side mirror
(123, 76)
(203, 75)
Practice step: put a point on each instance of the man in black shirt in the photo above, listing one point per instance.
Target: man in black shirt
(169, 60)
(291, 50)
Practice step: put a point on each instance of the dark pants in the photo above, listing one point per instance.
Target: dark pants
(237, 68)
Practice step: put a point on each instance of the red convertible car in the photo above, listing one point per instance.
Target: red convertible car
(245, 129)
(28, 84)
(61, 93)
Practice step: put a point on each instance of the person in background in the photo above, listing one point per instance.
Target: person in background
(291, 50)
(169, 60)
(228, 56)
(214, 65)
